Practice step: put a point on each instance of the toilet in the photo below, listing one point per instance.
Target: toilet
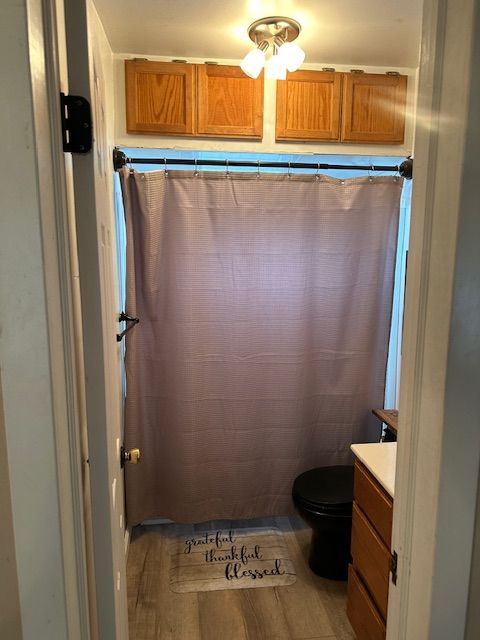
(323, 497)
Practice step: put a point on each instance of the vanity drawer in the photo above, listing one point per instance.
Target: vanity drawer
(362, 613)
(374, 502)
(371, 559)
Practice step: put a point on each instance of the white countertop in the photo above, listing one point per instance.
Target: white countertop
(380, 459)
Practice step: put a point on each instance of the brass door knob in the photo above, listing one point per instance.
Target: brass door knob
(132, 456)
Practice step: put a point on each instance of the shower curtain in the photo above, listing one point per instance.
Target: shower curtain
(264, 305)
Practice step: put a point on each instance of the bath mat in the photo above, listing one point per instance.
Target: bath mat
(230, 559)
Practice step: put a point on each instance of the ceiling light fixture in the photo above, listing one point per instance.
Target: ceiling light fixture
(279, 33)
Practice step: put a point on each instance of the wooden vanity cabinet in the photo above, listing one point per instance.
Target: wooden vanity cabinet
(369, 572)
(173, 98)
(341, 107)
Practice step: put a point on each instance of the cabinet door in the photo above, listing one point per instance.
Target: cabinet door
(362, 613)
(230, 104)
(308, 106)
(373, 108)
(371, 559)
(160, 97)
(375, 503)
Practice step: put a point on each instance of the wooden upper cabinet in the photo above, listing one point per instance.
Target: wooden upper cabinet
(344, 107)
(170, 98)
(173, 98)
(373, 108)
(160, 97)
(308, 106)
(229, 103)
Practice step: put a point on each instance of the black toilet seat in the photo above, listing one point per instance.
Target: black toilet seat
(325, 490)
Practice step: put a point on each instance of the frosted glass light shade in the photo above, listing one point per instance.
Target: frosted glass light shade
(292, 55)
(253, 62)
(276, 68)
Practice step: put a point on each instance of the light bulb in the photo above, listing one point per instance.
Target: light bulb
(292, 55)
(276, 68)
(253, 62)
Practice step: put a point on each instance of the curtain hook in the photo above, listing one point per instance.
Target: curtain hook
(289, 170)
(258, 169)
(195, 171)
(227, 172)
(317, 174)
(370, 177)
(166, 168)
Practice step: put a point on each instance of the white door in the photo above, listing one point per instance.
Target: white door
(95, 234)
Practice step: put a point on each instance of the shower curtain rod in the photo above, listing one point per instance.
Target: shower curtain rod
(404, 169)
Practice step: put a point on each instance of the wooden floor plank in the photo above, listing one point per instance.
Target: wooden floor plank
(263, 614)
(221, 616)
(156, 612)
(303, 606)
(310, 609)
(177, 614)
(333, 593)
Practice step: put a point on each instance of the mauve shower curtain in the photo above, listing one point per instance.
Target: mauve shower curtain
(264, 306)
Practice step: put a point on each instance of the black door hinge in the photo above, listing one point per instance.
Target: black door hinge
(394, 566)
(76, 124)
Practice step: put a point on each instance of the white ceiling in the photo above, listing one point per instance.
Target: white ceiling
(353, 32)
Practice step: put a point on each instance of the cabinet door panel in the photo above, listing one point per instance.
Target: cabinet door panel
(361, 611)
(229, 102)
(374, 502)
(160, 97)
(371, 559)
(308, 106)
(373, 108)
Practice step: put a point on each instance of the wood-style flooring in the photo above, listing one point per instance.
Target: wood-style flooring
(311, 609)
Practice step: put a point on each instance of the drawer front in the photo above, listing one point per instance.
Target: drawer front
(361, 611)
(371, 559)
(374, 502)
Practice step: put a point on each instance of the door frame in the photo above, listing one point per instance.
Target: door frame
(60, 314)
(88, 567)
(443, 92)
(434, 539)
(95, 242)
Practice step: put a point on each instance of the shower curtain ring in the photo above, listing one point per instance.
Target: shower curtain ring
(195, 171)
(258, 169)
(317, 174)
(370, 177)
(289, 170)
(227, 172)
(166, 168)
